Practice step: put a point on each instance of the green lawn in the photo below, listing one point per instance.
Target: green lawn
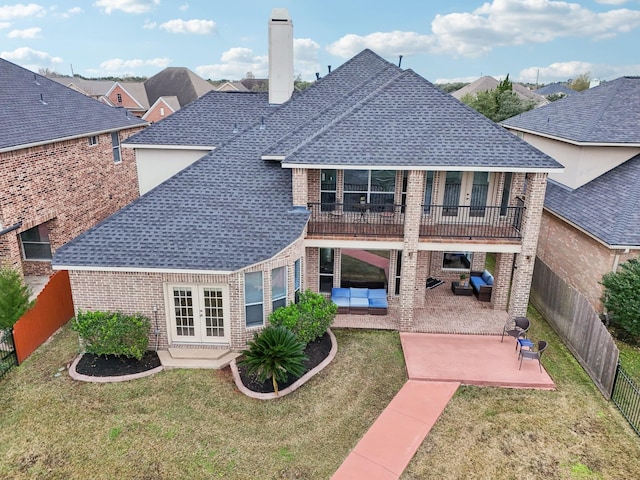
(194, 424)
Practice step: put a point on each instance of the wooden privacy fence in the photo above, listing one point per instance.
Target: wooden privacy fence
(53, 308)
(577, 323)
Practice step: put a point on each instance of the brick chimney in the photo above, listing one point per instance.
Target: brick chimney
(280, 56)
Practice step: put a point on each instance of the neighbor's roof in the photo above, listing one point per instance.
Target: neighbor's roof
(609, 113)
(486, 83)
(555, 88)
(178, 81)
(606, 207)
(231, 209)
(36, 109)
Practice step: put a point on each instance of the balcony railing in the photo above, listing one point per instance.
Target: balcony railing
(356, 219)
(455, 221)
(387, 220)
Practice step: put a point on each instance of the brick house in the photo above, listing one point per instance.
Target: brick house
(61, 166)
(590, 222)
(370, 160)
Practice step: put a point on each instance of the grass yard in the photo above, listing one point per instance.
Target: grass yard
(193, 424)
(493, 433)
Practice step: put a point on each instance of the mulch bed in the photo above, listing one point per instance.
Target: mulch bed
(316, 352)
(113, 366)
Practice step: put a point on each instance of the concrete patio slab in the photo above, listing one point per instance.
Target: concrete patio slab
(481, 360)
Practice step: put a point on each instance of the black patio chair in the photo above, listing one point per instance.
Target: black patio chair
(533, 354)
(516, 328)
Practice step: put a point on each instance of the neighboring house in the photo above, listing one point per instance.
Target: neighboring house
(163, 107)
(232, 87)
(486, 83)
(591, 220)
(556, 89)
(370, 157)
(61, 166)
(179, 82)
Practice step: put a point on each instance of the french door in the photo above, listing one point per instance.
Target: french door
(199, 314)
(469, 190)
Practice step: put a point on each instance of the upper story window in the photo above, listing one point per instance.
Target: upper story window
(376, 187)
(328, 190)
(115, 143)
(119, 96)
(93, 140)
(253, 299)
(428, 192)
(36, 244)
(162, 111)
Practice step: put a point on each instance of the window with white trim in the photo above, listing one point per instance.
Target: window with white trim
(115, 143)
(457, 260)
(93, 140)
(278, 287)
(36, 244)
(253, 299)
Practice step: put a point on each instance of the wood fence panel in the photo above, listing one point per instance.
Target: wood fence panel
(578, 324)
(53, 308)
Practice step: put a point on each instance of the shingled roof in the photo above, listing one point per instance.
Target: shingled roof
(37, 110)
(606, 207)
(232, 209)
(178, 81)
(608, 113)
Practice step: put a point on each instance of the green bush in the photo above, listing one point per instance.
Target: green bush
(277, 353)
(621, 297)
(109, 333)
(14, 297)
(309, 318)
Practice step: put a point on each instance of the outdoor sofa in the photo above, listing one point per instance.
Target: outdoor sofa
(482, 284)
(372, 301)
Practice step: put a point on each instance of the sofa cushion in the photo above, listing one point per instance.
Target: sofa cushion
(358, 302)
(477, 282)
(378, 303)
(339, 292)
(358, 292)
(340, 301)
(487, 277)
(377, 293)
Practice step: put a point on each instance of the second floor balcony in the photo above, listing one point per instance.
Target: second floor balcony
(387, 221)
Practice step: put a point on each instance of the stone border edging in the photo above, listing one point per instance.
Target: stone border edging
(298, 383)
(119, 378)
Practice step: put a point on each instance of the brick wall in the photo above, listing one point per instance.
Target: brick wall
(576, 257)
(71, 185)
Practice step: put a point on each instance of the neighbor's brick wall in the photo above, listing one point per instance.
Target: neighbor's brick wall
(70, 184)
(577, 258)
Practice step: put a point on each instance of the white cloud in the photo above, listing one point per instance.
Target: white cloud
(72, 11)
(4, 25)
(31, 59)
(612, 2)
(184, 7)
(563, 71)
(9, 12)
(33, 32)
(495, 24)
(149, 25)
(235, 63)
(305, 58)
(118, 65)
(126, 6)
(198, 27)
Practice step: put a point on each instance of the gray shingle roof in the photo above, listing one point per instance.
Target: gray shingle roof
(36, 109)
(554, 88)
(178, 81)
(489, 83)
(231, 209)
(609, 113)
(606, 207)
(208, 122)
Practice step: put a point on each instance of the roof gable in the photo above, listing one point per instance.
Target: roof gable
(178, 81)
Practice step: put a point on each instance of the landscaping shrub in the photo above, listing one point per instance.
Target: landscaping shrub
(14, 297)
(109, 333)
(277, 353)
(309, 318)
(621, 297)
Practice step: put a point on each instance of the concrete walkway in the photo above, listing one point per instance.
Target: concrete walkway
(436, 365)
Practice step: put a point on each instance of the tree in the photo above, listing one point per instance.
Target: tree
(277, 353)
(622, 296)
(581, 83)
(14, 297)
(500, 103)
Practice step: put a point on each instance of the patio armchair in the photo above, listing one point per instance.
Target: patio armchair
(516, 328)
(533, 354)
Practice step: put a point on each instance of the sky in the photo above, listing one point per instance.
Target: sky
(536, 41)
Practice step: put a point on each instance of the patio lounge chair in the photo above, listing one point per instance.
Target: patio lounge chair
(533, 354)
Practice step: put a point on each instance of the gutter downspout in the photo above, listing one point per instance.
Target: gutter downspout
(13, 227)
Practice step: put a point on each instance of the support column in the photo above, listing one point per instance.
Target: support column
(525, 260)
(300, 186)
(409, 286)
(502, 281)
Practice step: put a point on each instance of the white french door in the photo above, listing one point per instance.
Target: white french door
(471, 190)
(198, 314)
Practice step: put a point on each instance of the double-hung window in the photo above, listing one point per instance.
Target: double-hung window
(36, 244)
(115, 143)
(279, 287)
(253, 299)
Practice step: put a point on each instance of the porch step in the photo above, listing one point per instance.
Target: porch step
(196, 358)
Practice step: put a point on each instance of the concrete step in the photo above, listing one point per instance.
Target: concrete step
(220, 359)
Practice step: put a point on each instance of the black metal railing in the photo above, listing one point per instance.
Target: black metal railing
(8, 356)
(356, 219)
(470, 222)
(626, 396)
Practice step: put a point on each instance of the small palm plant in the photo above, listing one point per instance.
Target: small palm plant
(275, 353)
